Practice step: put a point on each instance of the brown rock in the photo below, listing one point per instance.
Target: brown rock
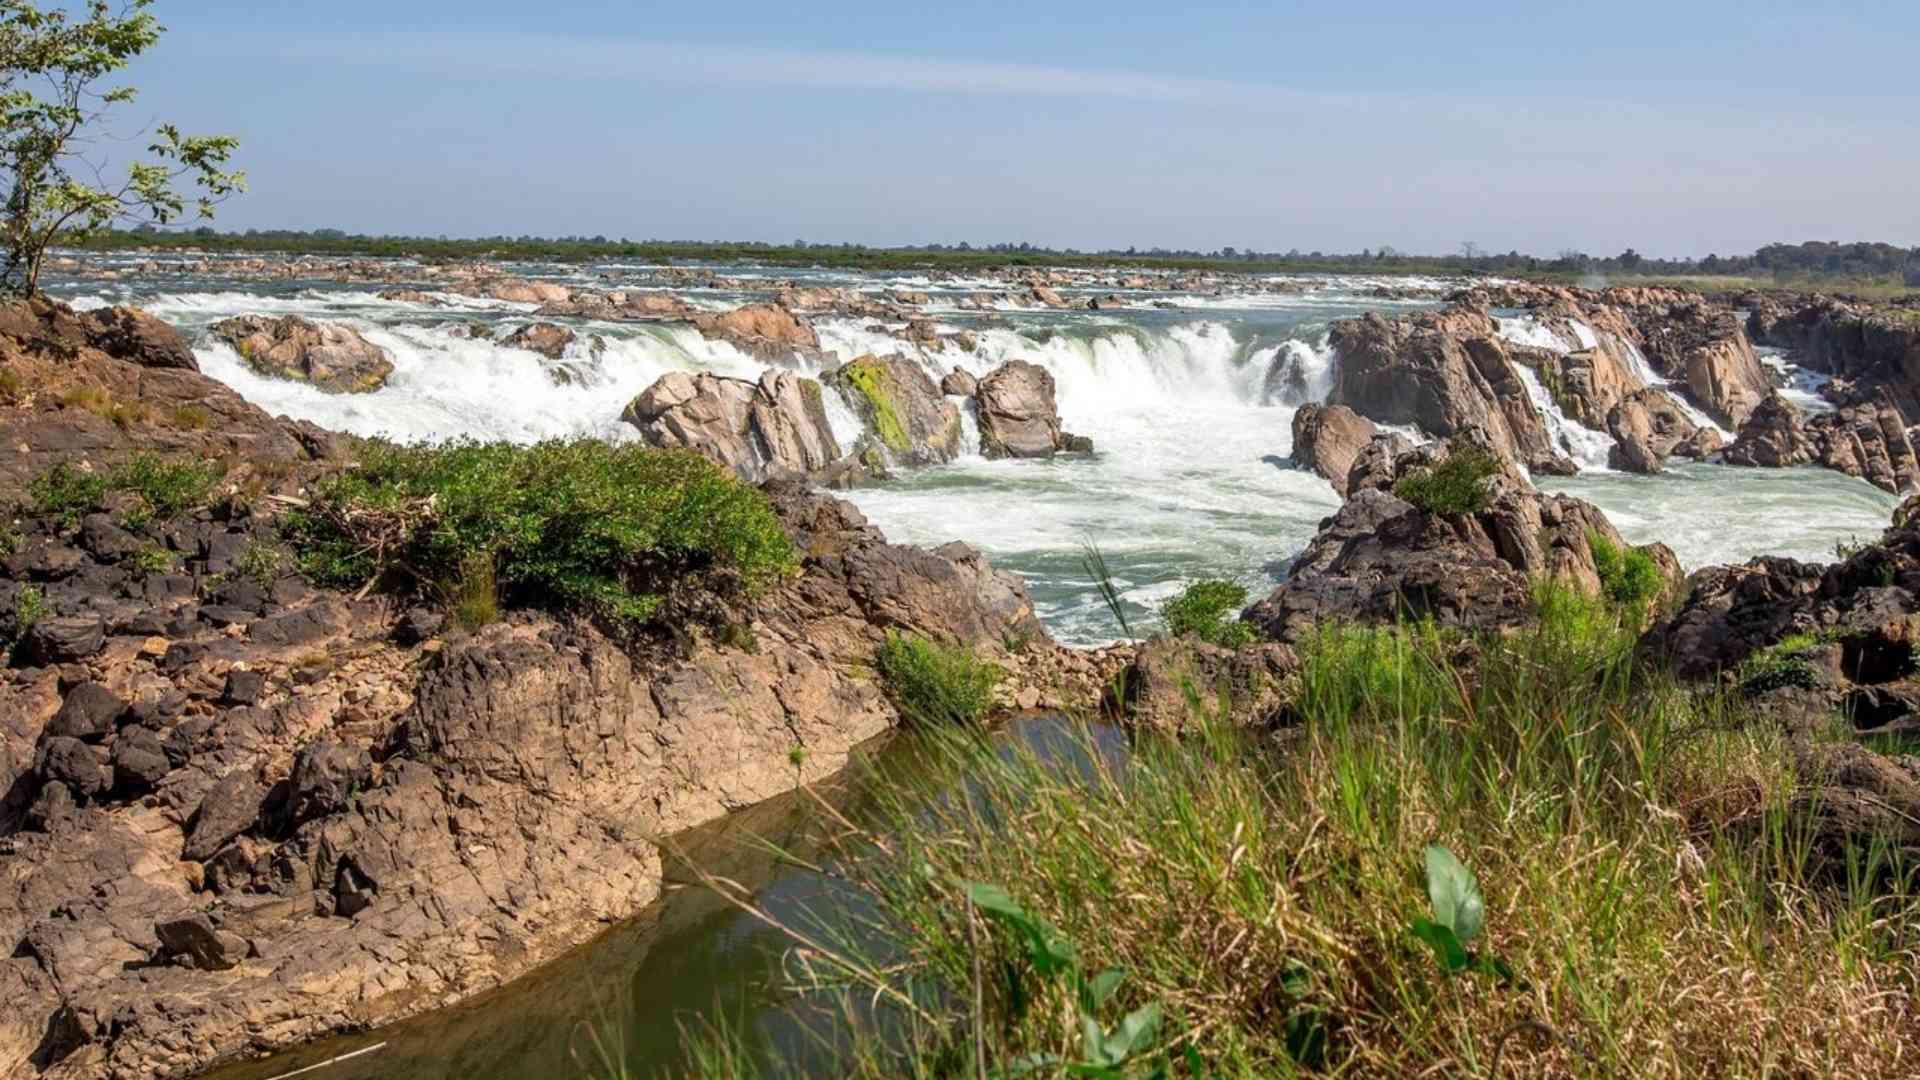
(1328, 440)
(1018, 416)
(766, 331)
(547, 339)
(901, 407)
(773, 428)
(332, 357)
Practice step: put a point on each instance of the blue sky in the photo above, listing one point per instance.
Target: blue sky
(1677, 128)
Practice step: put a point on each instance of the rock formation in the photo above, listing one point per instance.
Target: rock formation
(332, 357)
(1866, 349)
(1648, 426)
(1865, 440)
(901, 407)
(1018, 415)
(776, 427)
(1380, 558)
(766, 332)
(1327, 440)
(547, 339)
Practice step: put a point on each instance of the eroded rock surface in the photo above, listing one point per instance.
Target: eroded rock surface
(332, 357)
(775, 427)
(901, 408)
(1328, 439)
(1018, 414)
(1865, 440)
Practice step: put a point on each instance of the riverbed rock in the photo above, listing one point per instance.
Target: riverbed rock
(1865, 440)
(332, 357)
(1018, 414)
(1175, 685)
(901, 408)
(1648, 426)
(959, 383)
(1381, 559)
(1868, 348)
(775, 427)
(146, 340)
(1328, 439)
(196, 941)
(766, 332)
(548, 339)
(1445, 373)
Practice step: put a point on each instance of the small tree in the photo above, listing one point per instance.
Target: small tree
(52, 110)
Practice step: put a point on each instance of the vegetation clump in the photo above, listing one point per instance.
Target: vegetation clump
(1205, 906)
(164, 487)
(1457, 485)
(934, 684)
(1629, 578)
(1209, 611)
(614, 532)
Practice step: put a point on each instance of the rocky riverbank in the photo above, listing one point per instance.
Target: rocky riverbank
(242, 811)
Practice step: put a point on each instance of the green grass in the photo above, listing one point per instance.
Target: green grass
(1209, 610)
(1651, 889)
(1628, 576)
(164, 487)
(620, 533)
(933, 684)
(1457, 485)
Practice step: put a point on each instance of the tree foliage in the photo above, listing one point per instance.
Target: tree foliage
(54, 107)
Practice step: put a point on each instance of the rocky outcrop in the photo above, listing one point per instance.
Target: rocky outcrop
(1381, 559)
(1173, 684)
(332, 357)
(517, 291)
(1648, 426)
(958, 383)
(1446, 373)
(904, 411)
(1865, 440)
(1328, 439)
(776, 427)
(1018, 415)
(1867, 349)
(766, 332)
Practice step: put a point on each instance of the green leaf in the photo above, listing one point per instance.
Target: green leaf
(1102, 986)
(1048, 950)
(1135, 1033)
(1445, 945)
(1457, 904)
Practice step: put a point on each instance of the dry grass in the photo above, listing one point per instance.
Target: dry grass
(1649, 879)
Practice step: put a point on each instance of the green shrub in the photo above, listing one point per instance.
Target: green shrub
(477, 594)
(610, 531)
(1457, 485)
(936, 684)
(1629, 578)
(165, 487)
(1209, 611)
(153, 560)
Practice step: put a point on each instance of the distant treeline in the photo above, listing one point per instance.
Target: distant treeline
(1814, 260)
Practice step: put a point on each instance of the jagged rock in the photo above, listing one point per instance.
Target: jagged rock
(765, 331)
(1041, 294)
(326, 774)
(958, 383)
(1380, 559)
(89, 713)
(139, 760)
(204, 945)
(1866, 440)
(1867, 349)
(229, 809)
(1328, 440)
(65, 760)
(901, 407)
(547, 339)
(140, 337)
(66, 640)
(332, 357)
(773, 428)
(1018, 414)
(1648, 427)
(530, 292)
(1445, 373)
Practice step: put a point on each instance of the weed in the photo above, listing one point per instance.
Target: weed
(1457, 485)
(1095, 564)
(476, 597)
(13, 389)
(260, 563)
(933, 684)
(152, 559)
(166, 488)
(1628, 577)
(191, 418)
(1203, 610)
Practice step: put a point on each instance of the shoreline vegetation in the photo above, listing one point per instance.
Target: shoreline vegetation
(1866, 269)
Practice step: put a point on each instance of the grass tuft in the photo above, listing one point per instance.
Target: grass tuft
(1457, 485)
(1209, 610)
(934, 684)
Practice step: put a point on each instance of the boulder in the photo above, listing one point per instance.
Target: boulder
(139, 760)
(1648, 427)
(958, 383)
(144, 339)
(66, 640)
(901, 408)
(1173, 684)
(1017, 413)
(326, 775)
(61, 759)
(1865, 440)
(229, 809)
(89, 713)
(761, 430)
(1774, 437)
(1328, 440)
(766, 332)
(529, 292)
(1381, 559)
(548, 339)
(334, 358)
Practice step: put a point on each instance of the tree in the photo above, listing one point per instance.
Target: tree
(53, 110)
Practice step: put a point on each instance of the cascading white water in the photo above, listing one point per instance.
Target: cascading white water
(1588, 448)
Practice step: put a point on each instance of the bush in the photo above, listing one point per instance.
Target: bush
(1629, 578)
(165, 487)
(935, 684)
(1209, 611)
(609, 531)
(1457, 485)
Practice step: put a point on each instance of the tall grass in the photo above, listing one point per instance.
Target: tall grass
(1644, 850)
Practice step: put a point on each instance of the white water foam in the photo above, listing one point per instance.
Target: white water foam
(1588, 448)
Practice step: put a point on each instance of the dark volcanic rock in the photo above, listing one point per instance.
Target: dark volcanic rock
(89, 713)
